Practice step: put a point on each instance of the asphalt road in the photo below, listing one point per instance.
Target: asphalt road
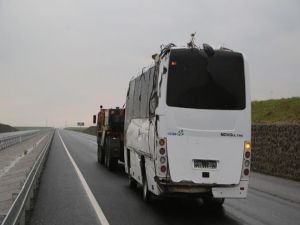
(62, 198)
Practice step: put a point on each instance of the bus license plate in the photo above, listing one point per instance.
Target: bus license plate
(205, 164)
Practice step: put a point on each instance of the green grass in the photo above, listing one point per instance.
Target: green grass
(30, 128)
(285, 110)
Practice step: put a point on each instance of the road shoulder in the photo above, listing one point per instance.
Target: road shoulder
(279, 187)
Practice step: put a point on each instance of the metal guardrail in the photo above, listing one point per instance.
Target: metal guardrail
(19, 212)
(12, 138)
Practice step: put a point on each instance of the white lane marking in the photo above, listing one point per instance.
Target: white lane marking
(86, 187)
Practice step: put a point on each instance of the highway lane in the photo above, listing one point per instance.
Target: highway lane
(121, 205)
(61, 198)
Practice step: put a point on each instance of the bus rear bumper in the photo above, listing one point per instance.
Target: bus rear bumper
(238, 191)
(231, 191)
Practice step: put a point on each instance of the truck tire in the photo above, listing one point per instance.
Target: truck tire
(106, 154)
(100, 155)
(109, 163)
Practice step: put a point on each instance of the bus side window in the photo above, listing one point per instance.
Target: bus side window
(152, 94)
(130, 99)
(144, 94)
(136, 98)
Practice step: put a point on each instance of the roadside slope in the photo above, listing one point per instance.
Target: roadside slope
(285, 110)
(6, 128)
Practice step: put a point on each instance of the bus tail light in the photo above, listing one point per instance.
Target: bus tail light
(247, 159)
(162, 142)
(247, 145)
(162, 151)
(162, 157)
(247, 154)
(247, 149)
(247, 163)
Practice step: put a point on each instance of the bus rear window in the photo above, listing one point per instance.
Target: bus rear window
(201, 82)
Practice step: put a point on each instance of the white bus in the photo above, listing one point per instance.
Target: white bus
(188, 125)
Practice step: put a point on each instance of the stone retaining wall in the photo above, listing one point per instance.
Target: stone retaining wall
(276, 150)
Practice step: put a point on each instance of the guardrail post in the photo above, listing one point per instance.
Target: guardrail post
(27, 210)
(22, 219)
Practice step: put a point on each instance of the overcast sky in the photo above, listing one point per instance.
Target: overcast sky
(61, 59)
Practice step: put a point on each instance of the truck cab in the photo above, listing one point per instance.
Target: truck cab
(110, 130)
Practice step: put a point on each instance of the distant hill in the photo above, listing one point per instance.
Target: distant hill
(88, 130)
(6, 128)
(91, 130)
(31, 128)
(285, 110)
(78, 129)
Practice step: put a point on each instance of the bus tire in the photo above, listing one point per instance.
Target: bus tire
(146, 193)
(132, 182)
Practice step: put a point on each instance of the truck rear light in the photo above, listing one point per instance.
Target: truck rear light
(246, 172)
(163, 169)
(162, 151)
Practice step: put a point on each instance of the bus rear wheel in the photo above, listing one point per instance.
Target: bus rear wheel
(146, 193)
(132, 182)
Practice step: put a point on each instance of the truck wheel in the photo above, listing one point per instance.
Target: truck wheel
(108, 160)
(100, 155)
(146, 193)
(106, 154)
(109, 163)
